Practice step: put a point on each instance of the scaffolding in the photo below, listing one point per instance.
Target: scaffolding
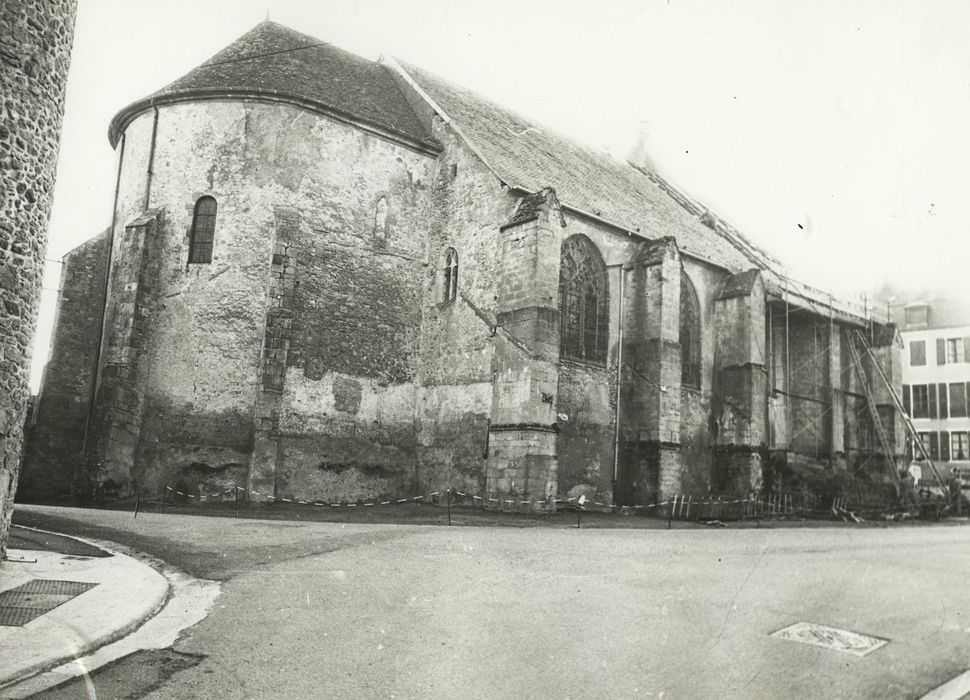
(809, 390)
(900, 409)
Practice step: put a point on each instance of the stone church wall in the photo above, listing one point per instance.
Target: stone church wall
(346, 425)
(56, 438)
(696, 404)
(295, 186)
(454, 395)
(587, 394)
(35, 52)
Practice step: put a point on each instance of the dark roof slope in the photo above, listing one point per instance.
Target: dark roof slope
(278, 63)
(530, 156)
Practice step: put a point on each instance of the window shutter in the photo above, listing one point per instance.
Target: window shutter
(932, 388)
(934, 445)
(966, 348)
(940, 351)
(945, 446)
(944, 412)
(906, 400)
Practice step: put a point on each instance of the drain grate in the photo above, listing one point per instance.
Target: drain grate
(30, 600)
(817, 635)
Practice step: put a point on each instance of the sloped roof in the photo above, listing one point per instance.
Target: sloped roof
(276, 62)
(529, 156)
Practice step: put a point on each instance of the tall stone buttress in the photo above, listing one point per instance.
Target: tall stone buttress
(740, 383)
(651, 377)
(35, 53)
(522, 456)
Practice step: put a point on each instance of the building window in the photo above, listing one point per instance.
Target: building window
(917, 352)
(959, 449)
(924, 439)
(952, 351)
(583, 302)
(203, 231)
(931, 443)
(921, 401)
(380, 219)
(690, 335)
(449, 287)
(958, 400)
(917, 316)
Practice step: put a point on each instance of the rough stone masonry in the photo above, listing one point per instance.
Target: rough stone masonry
(35, 53)
(338, 280)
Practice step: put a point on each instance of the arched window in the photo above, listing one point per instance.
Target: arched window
(380, 219)
(449, 288)
(583, 302)
(690, 335)
(203, 231)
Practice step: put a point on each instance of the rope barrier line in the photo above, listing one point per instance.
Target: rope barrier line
(680, 507)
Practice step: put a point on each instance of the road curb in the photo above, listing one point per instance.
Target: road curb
(123, 629)
(954, 689)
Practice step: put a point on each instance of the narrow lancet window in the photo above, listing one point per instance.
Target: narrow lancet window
(380, 219)
(690, 335)
(203, 231)
(450, 286)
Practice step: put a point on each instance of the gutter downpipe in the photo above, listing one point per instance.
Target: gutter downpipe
(619, 376)
(104, 311)
(151, 161)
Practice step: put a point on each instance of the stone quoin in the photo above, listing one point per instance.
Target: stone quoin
(335, 279)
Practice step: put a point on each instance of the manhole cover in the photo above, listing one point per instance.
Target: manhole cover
(831, 638)
(30, 600)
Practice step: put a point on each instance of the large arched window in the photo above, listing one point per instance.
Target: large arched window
(203, 230)
(690, 335)
(449, 287)
(583, 302)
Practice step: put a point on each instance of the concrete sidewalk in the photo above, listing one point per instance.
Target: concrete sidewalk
(99, 596)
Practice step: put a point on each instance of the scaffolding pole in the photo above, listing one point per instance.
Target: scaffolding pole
(772, 379)
(874, 414)
(788, 416)
(911, 429)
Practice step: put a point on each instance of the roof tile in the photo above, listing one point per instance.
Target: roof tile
(276, 60)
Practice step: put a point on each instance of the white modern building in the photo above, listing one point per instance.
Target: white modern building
(936, 381)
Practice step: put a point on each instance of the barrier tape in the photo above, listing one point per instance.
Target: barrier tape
(681, 505)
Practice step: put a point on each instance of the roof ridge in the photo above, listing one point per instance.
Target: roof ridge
(637, 178)
(531, 122)
(711, 219)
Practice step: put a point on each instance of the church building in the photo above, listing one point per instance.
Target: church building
(333, 279)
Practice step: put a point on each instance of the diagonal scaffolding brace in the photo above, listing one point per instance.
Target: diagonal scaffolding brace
(910, 428)
(887, 447)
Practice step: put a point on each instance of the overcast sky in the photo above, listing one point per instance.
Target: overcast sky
(835, 134)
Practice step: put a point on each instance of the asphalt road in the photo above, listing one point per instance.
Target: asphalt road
(366, 610)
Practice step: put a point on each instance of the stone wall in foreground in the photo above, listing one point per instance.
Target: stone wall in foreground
(35, 52)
